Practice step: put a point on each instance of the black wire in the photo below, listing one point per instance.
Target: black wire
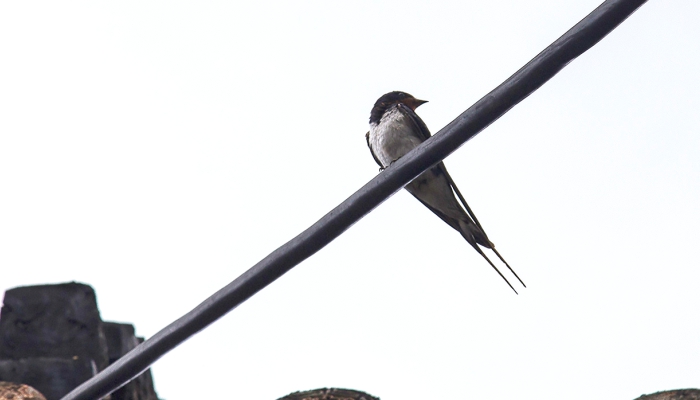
(534, 74)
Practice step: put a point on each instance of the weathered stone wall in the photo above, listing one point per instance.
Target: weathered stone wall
(53, 339)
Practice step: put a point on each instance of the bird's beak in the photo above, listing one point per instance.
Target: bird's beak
(417, 103)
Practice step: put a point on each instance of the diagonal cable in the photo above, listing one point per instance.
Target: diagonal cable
(529, 78)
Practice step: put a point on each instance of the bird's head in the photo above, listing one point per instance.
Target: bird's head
(390, 99)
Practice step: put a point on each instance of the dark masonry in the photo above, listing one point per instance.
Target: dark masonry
(53, 339)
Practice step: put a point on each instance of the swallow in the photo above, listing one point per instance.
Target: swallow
(394, 130)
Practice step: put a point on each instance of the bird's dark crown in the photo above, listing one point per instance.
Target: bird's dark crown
(388, 100)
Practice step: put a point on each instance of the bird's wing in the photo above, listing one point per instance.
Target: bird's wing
(448, 220)
(440, 168)
(372, 151)
(425, 135)
(424, 132)
(417, 122)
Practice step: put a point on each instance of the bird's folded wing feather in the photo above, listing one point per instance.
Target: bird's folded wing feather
(372, 151)
(421, 128)
(439, 167)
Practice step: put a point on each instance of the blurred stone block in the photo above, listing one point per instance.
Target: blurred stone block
(60, 321)
(121, 339)
(53, 377)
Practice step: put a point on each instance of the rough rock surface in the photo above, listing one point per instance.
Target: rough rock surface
(18, 391)
(329, 394)
(678, 394)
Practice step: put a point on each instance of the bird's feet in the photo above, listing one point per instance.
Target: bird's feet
(390, 164)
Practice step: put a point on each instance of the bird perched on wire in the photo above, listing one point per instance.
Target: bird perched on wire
(394, 130)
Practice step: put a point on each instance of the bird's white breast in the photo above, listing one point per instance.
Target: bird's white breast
(392, 137)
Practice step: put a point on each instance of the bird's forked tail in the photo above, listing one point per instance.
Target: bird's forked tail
(476, 237)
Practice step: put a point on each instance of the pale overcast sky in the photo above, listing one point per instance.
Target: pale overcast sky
(157, 150)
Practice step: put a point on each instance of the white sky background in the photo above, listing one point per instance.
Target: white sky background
(157, 150)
